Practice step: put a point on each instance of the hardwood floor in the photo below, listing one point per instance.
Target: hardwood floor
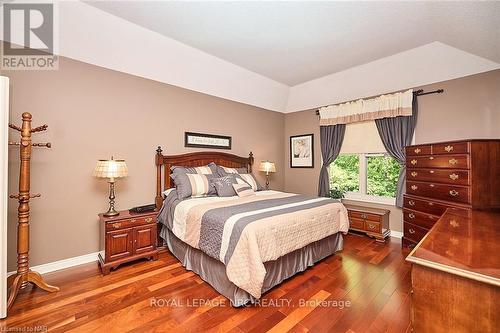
(161, 296)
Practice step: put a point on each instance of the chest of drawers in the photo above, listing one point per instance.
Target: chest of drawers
(372, 221)
(459, 174)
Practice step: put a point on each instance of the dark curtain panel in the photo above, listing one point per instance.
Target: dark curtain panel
(396, 133)
(331, 138)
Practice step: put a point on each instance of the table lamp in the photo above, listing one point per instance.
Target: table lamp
(267, 167)
(111, 169)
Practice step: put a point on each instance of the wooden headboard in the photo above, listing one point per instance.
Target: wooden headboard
(193, 160)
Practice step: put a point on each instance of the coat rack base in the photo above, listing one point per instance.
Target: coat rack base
(16, 282)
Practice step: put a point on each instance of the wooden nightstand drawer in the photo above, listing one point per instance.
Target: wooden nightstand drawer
(129, 223)
(372, 226)
(364, 215)
(356, 224)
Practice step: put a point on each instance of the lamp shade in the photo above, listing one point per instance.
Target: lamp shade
(267, 166)
(110, 169)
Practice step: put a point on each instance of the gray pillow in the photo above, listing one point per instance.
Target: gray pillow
(224, 185)
(210, 168)
(193, 184)
(224, 171)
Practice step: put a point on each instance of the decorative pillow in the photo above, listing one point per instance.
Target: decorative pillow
(224, 185)
(193, 184)
(243, 190)
(250, 179)
(224, 171)
(208, 169)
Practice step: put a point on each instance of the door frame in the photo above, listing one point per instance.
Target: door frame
(4, 160)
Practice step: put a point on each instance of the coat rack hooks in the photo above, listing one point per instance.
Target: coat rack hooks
(24, 275)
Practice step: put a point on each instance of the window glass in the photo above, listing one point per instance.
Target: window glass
(382, 172)
(344, 173)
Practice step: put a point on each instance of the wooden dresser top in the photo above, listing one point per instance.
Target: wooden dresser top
(464, 244)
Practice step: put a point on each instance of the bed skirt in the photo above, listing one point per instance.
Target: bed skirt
(213, 271)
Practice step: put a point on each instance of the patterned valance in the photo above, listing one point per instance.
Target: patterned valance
(384, 106)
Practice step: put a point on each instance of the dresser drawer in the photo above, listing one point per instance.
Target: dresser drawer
(372, 226)
(357, 224)
(453, 177)
(419, 218)
(129, 223)
(444, 161)
(413, 232)
(460, 194)
(364, 216)
(450, 148)
(418, 150)
(425, 206)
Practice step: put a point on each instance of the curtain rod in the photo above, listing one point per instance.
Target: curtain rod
(419, 92)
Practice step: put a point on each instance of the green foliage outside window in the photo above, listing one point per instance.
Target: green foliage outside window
(344, 174)
(382, 172)
(381, 176)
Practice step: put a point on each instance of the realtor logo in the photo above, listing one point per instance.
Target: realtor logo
(29, 35)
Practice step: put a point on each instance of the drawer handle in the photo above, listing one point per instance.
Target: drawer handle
(371, 226)
(414, 174)
(431, 185)
(431, 157)
(431, 171)
(413, 162)
(411, 230)
(453, 176)
(117, 225)
(363, 216)
(431, 203)
(417, 150)
(411, 203)
(148, 219)
(411, 215)
(133, 220)
(414, 187)
(448, 148)
(453, 193)
(453, 161)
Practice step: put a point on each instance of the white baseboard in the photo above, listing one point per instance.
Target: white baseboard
(396, 234)
(64, 263)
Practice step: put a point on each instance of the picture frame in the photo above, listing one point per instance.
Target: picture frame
(302, 151)
(203, 140)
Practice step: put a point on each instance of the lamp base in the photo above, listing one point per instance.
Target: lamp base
(111, 212)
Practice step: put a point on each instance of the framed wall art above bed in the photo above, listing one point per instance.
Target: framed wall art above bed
(302, 151)
(201, 140)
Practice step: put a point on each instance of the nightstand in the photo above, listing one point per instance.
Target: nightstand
(127, 237)
(372, 221)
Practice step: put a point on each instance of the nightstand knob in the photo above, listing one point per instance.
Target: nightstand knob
(148, 219)
(117, 225)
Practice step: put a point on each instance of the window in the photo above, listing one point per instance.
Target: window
(364, 170)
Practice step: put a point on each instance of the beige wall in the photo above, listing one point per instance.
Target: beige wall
(94, 113)
(469, 108)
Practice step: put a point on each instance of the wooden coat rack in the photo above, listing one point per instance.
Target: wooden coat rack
(24, 275)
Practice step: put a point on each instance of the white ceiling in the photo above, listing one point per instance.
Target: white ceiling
(294, 42)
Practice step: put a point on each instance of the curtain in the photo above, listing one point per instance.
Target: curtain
(383, 106)
(397, 133)
(331, 138)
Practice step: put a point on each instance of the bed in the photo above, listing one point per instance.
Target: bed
(244, 246)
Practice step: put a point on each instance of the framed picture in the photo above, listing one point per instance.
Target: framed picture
(200, 140)
(302, 151)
